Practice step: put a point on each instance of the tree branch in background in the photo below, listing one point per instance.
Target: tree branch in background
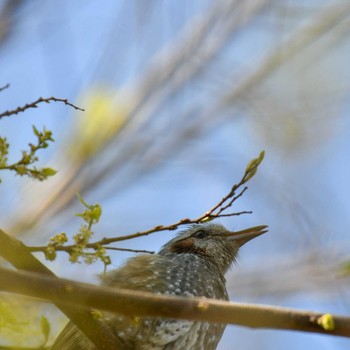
(136, 303)
(4, 87)
(35, 105)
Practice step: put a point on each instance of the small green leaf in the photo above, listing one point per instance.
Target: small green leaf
(45, 328)
(207, 219)
(86, 216)
(255, 162)
(20, 169)
(48, 172)
(4, 150)
(252, 167)
(59, 239)
(261, 156)
(50, 253)
(326, 321)
(96, 213)
(81, 200)
(96, 314)
(36, 131)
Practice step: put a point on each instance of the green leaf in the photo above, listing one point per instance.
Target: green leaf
(96, 213)
(81, 200)
(36, 131)
(326, 321)
(45, 328)
(59, 239)
(252, 167)
(96, 314)
(48, 172)
(207, 219)
(50, 253)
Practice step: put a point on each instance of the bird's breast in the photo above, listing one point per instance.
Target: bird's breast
(174, 274)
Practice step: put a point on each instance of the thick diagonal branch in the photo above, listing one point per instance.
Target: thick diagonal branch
(19, 256)
(136, 303)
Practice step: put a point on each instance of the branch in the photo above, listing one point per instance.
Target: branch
(131, 250)
(136, 303)
(35, 105)
(19, 256)
(4, 87)
(215, 212)
(4, 347)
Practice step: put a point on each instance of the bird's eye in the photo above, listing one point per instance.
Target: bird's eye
(200, 234)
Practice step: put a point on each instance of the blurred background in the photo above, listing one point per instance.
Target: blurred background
(178, 98)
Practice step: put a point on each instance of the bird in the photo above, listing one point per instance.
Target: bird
(192, 264)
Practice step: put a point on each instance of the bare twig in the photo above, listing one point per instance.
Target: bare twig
(4, 87)
(35, 105)
(215, 212)
(136, 303)
(131, 250)
(221, 207)
(236, 214)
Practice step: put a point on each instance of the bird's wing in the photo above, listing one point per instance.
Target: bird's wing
(132, 276)
(144, 272)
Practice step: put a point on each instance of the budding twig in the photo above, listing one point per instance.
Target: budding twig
(35, 105)
(217, 211)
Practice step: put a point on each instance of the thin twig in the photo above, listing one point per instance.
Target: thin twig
(4, 87)
(213, 213)
(229, 204)
(131, 250)
(35, 105)
(69, 248)
(236, 214)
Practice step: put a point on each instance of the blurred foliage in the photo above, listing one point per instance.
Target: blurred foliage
(345, 268)
(22, 322)
(45, 329)
(106, 112)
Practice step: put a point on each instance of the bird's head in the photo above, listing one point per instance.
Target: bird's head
(213, 242)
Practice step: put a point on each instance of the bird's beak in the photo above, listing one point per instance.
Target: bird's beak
(242, 237)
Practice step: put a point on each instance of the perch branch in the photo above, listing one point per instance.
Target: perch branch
(136, 303)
